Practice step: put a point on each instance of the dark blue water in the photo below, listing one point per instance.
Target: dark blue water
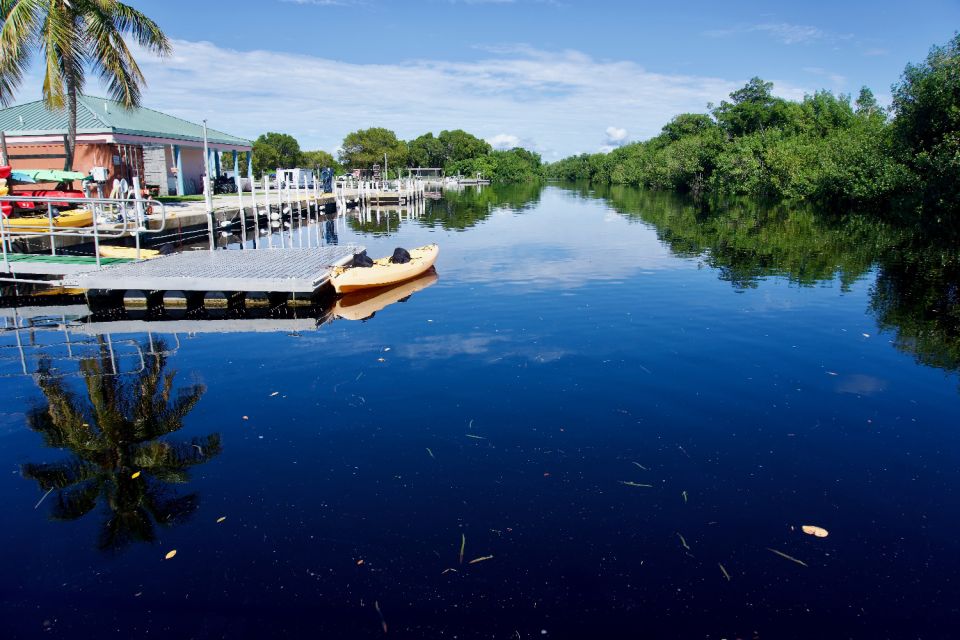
(598, 422)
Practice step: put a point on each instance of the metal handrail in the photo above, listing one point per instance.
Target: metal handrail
(135, 209)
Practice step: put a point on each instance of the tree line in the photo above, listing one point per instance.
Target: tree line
(826, 148)
(456, 152)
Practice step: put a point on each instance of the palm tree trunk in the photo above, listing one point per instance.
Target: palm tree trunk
(71, 140)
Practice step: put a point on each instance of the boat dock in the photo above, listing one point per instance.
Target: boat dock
(288, 270)
(277, 272)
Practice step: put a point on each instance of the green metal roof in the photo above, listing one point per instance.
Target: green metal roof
(99, 115)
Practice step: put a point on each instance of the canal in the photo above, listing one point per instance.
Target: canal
(610, 414)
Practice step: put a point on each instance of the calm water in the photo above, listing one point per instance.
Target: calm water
(598, 421)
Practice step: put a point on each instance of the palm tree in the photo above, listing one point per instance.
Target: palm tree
(75, 37)
(114, 437)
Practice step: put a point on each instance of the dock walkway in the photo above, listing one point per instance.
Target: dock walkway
(267, 270)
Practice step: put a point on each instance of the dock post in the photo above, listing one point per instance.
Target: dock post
(243, 217)
(266, 201)
(155, 307)
(208, 186)
(253, 197)
(236, 302)
(181, 187)
(195, 306)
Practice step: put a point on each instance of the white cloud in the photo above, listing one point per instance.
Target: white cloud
(783, 32)
(616, 137)
(504, 141)
(837, 81)
(548, 101)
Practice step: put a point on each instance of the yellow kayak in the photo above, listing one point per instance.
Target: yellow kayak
(363, 304)
(384, 273)
(67, 219)
(107, 251)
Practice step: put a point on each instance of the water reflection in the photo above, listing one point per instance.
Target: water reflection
(119, 455)
(916, 295)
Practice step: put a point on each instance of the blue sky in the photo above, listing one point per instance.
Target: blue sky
(558, 76)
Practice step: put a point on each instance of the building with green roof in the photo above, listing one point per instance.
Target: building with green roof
(164, 151)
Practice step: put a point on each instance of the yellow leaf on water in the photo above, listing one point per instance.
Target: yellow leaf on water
(812, 530)
(221, 519)
(135, 475)
(170, 554)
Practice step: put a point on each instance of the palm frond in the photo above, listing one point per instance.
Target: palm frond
(75, 502)
(19, 20)
(59, 475)
(145, 31)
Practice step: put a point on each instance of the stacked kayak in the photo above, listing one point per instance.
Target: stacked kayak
(66, 219)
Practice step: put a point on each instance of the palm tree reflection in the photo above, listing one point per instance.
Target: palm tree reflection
(117, 457)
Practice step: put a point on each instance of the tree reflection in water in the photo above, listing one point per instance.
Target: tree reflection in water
(117, 455)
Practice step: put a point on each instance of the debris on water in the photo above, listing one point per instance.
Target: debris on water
(431, 453)
(383, 622)
(641, 466)
(470, 435)
(381, 359)
(275, 393)
(136, 474)
(359, 375)
(360, 562)
(866, 335)
(832, 373)
(683, 450)
(386, 349)
(463, 545)
(635, 484)
(221, 519)
(480, 559)
(683, 541)
(246, 417)
(446, 571)
(170, 554)
(723, 569)
(790, 558)
(470, 426)
(684, 493)
(43, 498)
(813, 530)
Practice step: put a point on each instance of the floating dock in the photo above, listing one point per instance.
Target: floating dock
(264, 270)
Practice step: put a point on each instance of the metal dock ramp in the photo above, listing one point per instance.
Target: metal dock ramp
(266, 270)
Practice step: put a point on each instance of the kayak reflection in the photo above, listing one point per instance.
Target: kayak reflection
(363, 305)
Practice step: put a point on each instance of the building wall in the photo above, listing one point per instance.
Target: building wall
(121, 161)
(192, 160)
(159, 168)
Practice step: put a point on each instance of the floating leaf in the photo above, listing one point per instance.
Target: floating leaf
(815, 531)
(170, 554)
(221, 519)
(275, 393)
(463, 545)
(360, 562)
(790, 558)
(724, 570)
(480, 559)
(135, 475)
(635, 484)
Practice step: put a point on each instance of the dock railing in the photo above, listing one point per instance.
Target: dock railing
(130, 218)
